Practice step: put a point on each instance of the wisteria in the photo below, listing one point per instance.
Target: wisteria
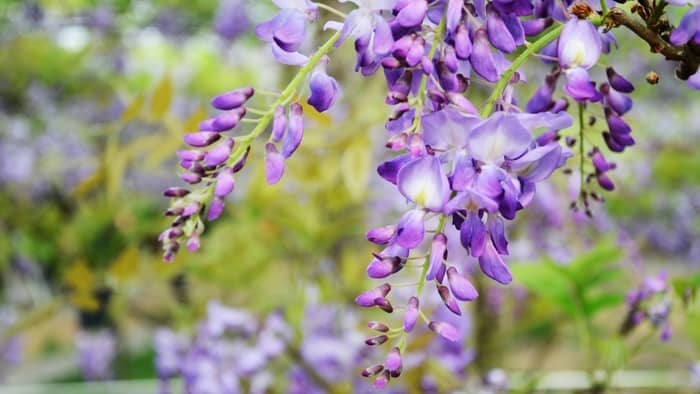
(96, 352)
(650, 302)
(465, 166)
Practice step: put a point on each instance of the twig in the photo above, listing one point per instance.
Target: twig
(657, 44)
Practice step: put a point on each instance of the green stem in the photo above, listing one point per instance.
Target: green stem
(422, 90)
(426, 262)
(288, 92)
(536, 46)
(582, 158)
(331, 10)
(243, 142)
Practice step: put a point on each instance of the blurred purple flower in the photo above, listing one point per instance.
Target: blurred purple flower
(231, 19)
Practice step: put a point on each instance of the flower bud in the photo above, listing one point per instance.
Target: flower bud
(372, 370)
(461, 287)
(279, 123)
(191, 178)
(377, 326)
(295, 130)
(618, 82)
(274, 164)
(438, 254)
(381, 235)
(384, 304)
(463, 44)
(393, 362)
(201, 139)
(448, 300)
(324, 88)
(376, 341)
(175, 192)
(445, 330)
(411, 315)
(367, 298)
(228, 120)
(382, 380)
(220, 153)
(224, 183)
(233, 99)
(412, 14)
(216, 208)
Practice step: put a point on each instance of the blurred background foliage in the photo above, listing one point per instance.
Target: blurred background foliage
(94, 99)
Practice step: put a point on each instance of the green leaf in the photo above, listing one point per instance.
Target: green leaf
(547, 281)
(693, 325)
(597, 303)
(592, 264)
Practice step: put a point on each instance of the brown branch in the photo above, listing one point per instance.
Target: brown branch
(656, 43)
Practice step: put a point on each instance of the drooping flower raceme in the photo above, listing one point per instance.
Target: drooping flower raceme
(465, 169)
(96, 353)
(652, 302)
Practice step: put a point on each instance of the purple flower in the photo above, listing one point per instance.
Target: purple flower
(274, 164)
(295, 130)
(381, 235)
(650, 301)
(367, 25)
(694, 81)
(374, 39)
(580, 44)
(393, 362)
(286, 31)
(481, 57)
(423, 182)
(231, 19)
(462, 289)
(579, 87)
(324, 88)
(369, 297)
(438, 255)
(233, 99)
(493, 266)
(411, 13)
(96, 352)
(445, 330)
(689, 28)
(411, 315)
(410, 229)
(579, 48)
(618, 82)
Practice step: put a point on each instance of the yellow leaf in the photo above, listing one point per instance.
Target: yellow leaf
(89, 184)
(81, 281)
(133, 109)
(115, 175)
(193, 122)
(310, 112)
(354, 165)
(162, 97)
(126, 265)
(84, 301)
(79, 277)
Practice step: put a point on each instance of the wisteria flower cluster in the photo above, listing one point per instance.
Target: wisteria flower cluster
(223, 354)
(651, 302)
(233, 351)
(96, 353)
(465, 169)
